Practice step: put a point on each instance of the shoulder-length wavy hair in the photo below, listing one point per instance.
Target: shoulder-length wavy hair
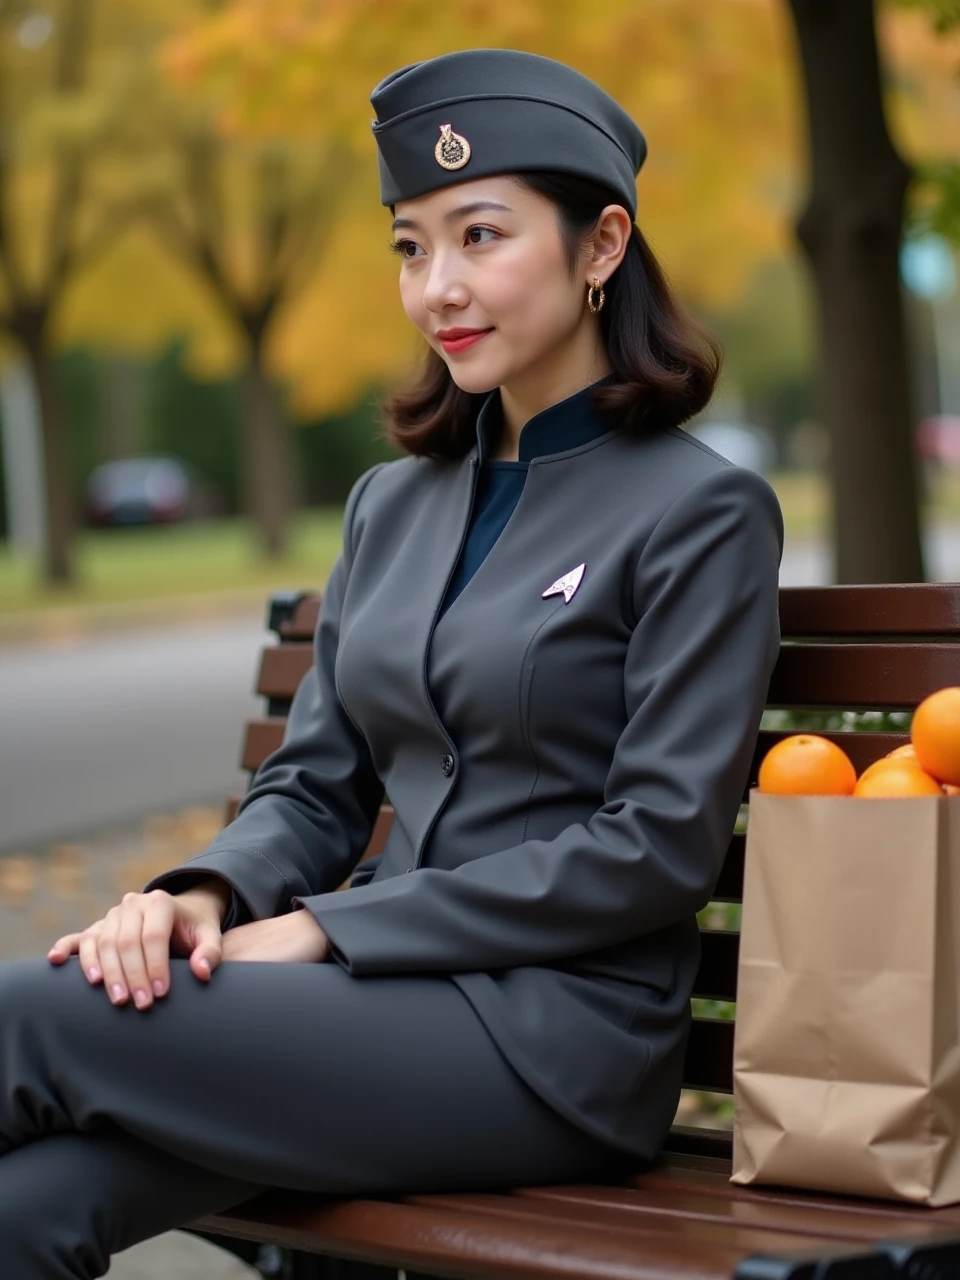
(665, 365)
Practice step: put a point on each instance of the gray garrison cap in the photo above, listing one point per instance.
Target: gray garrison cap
(477, 112)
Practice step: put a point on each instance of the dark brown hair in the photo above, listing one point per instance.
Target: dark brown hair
(664, 365)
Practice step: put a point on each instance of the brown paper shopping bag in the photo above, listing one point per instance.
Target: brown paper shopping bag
(846, 1068)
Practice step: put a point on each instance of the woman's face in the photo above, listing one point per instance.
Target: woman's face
(487, 256)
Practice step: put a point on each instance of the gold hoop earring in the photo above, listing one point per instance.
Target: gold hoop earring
(596, 304)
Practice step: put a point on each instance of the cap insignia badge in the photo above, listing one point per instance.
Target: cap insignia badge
(452, 150)
(566, 585)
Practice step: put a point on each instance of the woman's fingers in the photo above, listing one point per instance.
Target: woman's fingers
(90, 953)
(111, 965)
(83, 945)
(158, 915)
(208, 952)
(130, 947)
(64, 947)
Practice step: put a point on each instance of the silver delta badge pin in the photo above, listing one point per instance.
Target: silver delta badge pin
(567, 584)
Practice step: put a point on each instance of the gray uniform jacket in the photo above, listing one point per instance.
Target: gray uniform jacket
(550, 856)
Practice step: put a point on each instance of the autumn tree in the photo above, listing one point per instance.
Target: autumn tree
(851, 230)
(72, 131)
(34, 282)
(237, 133)
(248, 218)
(695, 77)
(938, 174)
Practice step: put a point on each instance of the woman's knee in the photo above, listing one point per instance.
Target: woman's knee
(33, 984)
(24, 984)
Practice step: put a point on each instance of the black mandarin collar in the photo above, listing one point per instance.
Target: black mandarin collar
(565, 425)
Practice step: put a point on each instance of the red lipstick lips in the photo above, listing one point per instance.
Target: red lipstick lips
(453, 340)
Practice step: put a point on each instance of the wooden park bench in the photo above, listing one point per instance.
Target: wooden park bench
(849, 647)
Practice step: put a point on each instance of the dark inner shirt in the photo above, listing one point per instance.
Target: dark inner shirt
(565, 425)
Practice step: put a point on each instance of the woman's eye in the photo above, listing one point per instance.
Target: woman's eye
(400, 247)
(403, 248)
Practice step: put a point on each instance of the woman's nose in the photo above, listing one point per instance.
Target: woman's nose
(444, 286)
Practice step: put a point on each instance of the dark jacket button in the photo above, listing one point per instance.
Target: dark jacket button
(446, 764)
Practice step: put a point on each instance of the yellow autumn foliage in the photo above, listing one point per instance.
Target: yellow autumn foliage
(265, 89)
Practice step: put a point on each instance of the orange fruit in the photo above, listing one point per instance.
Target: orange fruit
(935, 732)
(895, 778)
(950, 789)
(889, 762)
(907, 751)
(806, 764)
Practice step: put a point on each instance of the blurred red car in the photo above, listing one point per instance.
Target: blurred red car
(938, 439)
(146, 490)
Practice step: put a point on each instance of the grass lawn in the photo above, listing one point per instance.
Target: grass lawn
(128, 565)
(805, 501)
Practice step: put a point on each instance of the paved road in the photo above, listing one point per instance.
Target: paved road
(73, 751)
(177, 1256)
(73, 755)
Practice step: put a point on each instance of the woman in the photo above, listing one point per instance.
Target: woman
(548, 641)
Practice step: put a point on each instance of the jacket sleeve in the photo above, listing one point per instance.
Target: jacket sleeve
(308, 815)
(696, 675)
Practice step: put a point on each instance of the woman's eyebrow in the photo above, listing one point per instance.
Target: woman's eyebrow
(477, 206)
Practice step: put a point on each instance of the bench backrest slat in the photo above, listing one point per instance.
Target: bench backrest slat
(887, 609)
(882, 675)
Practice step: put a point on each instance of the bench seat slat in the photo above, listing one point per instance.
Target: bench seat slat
(647, 1197)
(673, 1173)
(612, 1217)
(433, 1237)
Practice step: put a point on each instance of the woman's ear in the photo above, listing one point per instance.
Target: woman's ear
(609, 241)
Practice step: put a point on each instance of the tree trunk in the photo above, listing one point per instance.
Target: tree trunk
(60, 513)
(268, 472)
(851, 232)
(121, 416)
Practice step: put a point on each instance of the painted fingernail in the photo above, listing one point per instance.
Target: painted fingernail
(157, 987)
(140, 998)
(93, 973)
(117, 991)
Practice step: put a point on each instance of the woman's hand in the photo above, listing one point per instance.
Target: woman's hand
(129, 949)
(293, 937)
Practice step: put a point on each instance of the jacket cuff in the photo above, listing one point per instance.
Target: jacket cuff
(370, 927)
(259, 889)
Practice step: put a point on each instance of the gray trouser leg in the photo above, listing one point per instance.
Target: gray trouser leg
(116, 1125)
(70, 1201)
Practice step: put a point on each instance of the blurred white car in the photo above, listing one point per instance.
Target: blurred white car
(146, 490)
(745, 446)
